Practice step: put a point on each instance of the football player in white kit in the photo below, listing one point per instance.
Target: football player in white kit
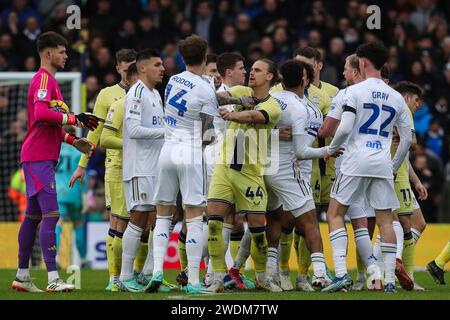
(371, 110)
(143, 137)
(190, 104)
(358, 215)
(288, 188)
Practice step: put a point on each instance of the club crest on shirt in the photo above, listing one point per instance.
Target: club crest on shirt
(42, 93)
(315, 100)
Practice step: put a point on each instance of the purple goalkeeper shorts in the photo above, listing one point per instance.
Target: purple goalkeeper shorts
(41, 187)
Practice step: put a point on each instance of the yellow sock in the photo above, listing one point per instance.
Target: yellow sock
(182, 250)
(258, 249)
(110, 252)
(296, 242)
(117, 249)
(304, 260)
(285, 249)
(216, 245)
(141, 255)
(408, 252)
(443, 257)
(359, 263)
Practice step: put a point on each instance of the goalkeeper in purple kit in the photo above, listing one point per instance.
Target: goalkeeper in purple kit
(39, 156)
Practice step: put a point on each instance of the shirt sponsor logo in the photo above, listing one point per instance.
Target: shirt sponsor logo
(374, 144)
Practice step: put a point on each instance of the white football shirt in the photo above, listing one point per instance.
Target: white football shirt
(186, 96)
(378, 109)
(141, 154)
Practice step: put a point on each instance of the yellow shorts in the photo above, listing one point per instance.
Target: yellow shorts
(316, 181)
(325, 188)
(405, 197)
(247, 192)
(117, 199)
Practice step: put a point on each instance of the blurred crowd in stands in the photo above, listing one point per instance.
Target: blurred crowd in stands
(416, 33)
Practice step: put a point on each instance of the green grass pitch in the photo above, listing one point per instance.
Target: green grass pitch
(93, 283)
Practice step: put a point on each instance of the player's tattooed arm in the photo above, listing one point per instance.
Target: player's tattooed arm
(224, 98)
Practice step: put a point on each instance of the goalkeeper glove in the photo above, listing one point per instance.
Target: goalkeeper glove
(84, 120)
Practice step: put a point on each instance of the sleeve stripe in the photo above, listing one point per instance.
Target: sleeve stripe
(140, 91)
(110, 128)
(136, 90)
(44, 81)
(348, 108)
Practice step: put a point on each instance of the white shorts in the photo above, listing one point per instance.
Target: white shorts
(139, 192)
(355, 211)
(378, 193)
(287, 188)
(181, 168)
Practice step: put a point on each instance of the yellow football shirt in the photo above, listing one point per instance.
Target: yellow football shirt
(403, 172)
(105, 99)
(112, 140)
(249, 141)
(329, 89)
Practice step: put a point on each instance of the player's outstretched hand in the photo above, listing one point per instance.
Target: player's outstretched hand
(247, 102)
(285, 134)
(84, 146)
(338, 153)
(85, 120)
(225, 113)
(422, 190)
(78, 174)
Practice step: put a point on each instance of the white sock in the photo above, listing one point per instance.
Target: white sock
(364, 246)
(226, 234)
(52, 275)
(130, 244)
(389, 250)
(399, 236)
(318, 263)
(23, 273)
(244, 250)
(148, 266)
(194, 248)
(416, 235)
(377, 253)
(272, 260)
(339, 242)
(160, 241)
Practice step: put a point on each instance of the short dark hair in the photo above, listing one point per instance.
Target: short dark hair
(272, 68)
(146, 54)
(292, 73)
(228, 60)
(308, 52)
(211, 58)
(376, 53)
(309, 72)
(193, 50)
(132, 71)
(385, 73)
(125, 55)
(407, 87)
(50, 39)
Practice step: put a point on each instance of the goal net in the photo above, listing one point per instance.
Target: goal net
(13, 127)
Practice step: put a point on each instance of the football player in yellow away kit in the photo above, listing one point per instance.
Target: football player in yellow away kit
(408, 204)
(106, 97)
(238, 176)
